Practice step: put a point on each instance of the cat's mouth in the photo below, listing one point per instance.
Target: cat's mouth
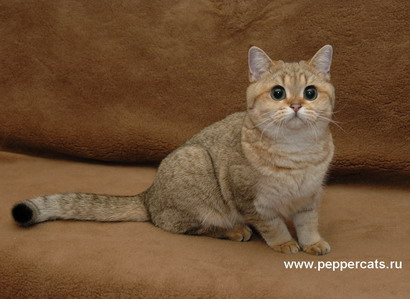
(295, 120)
(294, 115)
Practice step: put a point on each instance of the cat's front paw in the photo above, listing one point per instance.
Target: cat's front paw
(289, 247)
(319, 248)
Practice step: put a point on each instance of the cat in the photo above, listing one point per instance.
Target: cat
(255, 169)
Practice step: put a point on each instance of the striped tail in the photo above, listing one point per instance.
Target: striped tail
(80, 206)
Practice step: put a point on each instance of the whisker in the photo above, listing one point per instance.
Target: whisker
(331, 121)
(262, 122)
(263, 131)
(312, 126)
(341, 109)
(319, 114)
(316, 131)
(279, 128)
(266, 113)
(327, 118)
(323, 112)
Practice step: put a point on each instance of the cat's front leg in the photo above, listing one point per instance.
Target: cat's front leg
(276, 234)
(306, 224)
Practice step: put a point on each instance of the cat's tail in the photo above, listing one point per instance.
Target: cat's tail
(80, 206)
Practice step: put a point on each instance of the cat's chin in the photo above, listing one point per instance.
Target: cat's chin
(295, 123)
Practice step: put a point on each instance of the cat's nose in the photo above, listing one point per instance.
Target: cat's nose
(295, 106)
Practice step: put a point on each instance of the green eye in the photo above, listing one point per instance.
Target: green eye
(278, 93)
(310, 93)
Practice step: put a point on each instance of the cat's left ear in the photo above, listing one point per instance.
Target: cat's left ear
(322, 60)
(259, 63)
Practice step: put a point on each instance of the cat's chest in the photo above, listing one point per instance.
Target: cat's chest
(286, 192)
(289, 184)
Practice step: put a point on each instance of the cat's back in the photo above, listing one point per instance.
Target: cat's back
(224, 134)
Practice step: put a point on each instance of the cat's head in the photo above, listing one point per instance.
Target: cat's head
(291, 96)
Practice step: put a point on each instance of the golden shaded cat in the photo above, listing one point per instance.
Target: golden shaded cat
(256, 169)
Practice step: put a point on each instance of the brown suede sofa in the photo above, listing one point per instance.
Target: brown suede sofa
(93, 94)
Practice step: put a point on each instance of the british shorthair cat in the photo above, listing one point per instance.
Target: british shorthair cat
(252, 170)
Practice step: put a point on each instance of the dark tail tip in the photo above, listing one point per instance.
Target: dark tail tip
(22, 213)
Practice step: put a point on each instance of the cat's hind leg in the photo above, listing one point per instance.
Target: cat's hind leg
(186, 196)
(177, 222)
(240, 232)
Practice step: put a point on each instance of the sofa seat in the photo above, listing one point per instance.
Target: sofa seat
(362, 222)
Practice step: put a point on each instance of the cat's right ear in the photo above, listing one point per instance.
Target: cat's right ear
(259, 63)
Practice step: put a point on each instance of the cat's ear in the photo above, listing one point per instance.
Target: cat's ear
(323, 59)
(259, 63)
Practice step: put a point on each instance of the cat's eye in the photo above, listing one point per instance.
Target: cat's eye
(278, 93)
(310, 93)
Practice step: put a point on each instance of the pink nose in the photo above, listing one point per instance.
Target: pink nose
(295, 107)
